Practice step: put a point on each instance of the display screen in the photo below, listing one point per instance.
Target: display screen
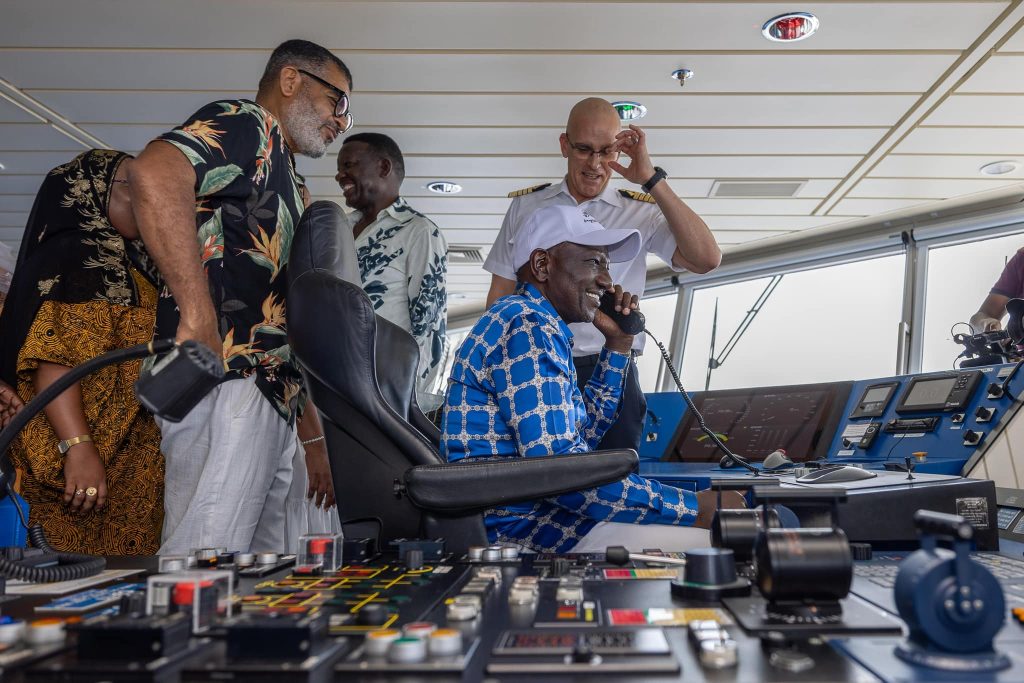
(929, 392)
(800, 419)
(876, 394)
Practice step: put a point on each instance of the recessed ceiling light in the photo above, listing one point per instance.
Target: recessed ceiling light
(444, 187)
(2, 167)
(630, 111)
(999, 167)
(682, 75)
(790, 27)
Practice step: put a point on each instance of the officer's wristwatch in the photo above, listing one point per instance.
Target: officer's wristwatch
(659, 175)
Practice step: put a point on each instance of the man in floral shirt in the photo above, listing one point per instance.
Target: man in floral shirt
(229, 172)
(403, 257)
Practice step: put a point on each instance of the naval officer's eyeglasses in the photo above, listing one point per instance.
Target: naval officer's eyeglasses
(585, 151)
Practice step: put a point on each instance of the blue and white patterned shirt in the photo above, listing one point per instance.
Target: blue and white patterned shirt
(513, 392)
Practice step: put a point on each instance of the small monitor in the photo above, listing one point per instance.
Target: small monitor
(875, 400)
(801, 419)
(948, 391)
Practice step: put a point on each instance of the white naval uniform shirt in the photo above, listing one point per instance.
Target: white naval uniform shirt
(403, 262)
(613, 211)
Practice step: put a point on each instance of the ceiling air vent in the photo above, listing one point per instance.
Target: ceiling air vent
(756, 188)
(458, 254)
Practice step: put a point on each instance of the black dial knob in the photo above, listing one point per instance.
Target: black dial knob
(372, 615)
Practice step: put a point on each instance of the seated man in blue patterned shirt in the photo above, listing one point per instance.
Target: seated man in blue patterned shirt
(513, 392)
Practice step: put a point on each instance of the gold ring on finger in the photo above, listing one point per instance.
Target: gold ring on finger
(91, 492)
(79, 492)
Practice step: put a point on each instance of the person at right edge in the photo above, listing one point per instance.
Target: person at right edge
(592, 143)
(1010, 285)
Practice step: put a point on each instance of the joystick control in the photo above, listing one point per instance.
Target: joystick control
(953, 606)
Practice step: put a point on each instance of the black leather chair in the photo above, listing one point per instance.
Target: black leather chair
(323, 241)
(360, 372)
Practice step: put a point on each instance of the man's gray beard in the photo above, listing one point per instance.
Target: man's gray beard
(303, 125)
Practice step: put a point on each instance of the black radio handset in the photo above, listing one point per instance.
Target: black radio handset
(633, 323)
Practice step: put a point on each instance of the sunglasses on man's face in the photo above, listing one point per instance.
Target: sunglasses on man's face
(340, 104)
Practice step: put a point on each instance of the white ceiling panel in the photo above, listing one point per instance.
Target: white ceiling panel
(978, 110)
(550, 167)
(999, 142)
(12, 219)
(34, 136)
(456, 204)
(472, 25)
(16, 202)
(9, 113)
(680, 109)
(19, 184)
(465, 140)
(871, 207)
(590, 73)
(126, 136)
(485, 238)
(471, 233)
(930, 188)
(491, 223)
(1015, 43)
(168, 108)
(324, 187)
(33, 162)
(1000, 74)
(386, 109)
(754, 207)
(928, 166)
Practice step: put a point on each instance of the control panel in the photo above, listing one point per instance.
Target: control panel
(937, 420)
(709, 614)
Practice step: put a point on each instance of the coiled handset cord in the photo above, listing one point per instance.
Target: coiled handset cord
(689, 403)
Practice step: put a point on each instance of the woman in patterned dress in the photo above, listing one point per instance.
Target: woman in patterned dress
(83, 285)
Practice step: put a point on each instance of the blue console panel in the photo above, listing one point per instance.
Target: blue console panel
(947, 416)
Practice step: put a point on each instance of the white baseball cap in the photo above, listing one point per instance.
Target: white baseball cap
(553, 225)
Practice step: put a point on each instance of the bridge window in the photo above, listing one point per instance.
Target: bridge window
(835, 322)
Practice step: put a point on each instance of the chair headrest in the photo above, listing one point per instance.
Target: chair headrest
(334, 332)
(323, 240)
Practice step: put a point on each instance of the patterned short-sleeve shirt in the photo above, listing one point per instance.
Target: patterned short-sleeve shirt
(513, 393)
(247, 204)
(403, 262)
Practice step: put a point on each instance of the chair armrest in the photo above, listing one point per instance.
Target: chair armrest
(466, 486)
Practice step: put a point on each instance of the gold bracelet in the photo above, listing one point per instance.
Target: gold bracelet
(65, 445)
(313, 440)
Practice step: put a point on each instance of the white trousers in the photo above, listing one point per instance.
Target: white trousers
(301, 515)
(229, 467)
(638, 537)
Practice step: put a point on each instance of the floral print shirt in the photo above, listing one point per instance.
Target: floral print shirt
(403, 262)
(248, 202)
(513, 393)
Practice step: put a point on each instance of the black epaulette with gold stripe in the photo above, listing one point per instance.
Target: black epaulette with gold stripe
(528, 190)
(638, 196)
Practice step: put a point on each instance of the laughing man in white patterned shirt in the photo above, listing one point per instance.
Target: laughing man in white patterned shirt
(402, 254)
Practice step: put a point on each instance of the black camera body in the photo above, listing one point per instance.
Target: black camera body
(986, 348)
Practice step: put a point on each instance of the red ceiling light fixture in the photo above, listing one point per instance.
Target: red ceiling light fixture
(790, 27)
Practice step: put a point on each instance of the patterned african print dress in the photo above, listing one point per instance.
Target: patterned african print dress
(81, 291)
